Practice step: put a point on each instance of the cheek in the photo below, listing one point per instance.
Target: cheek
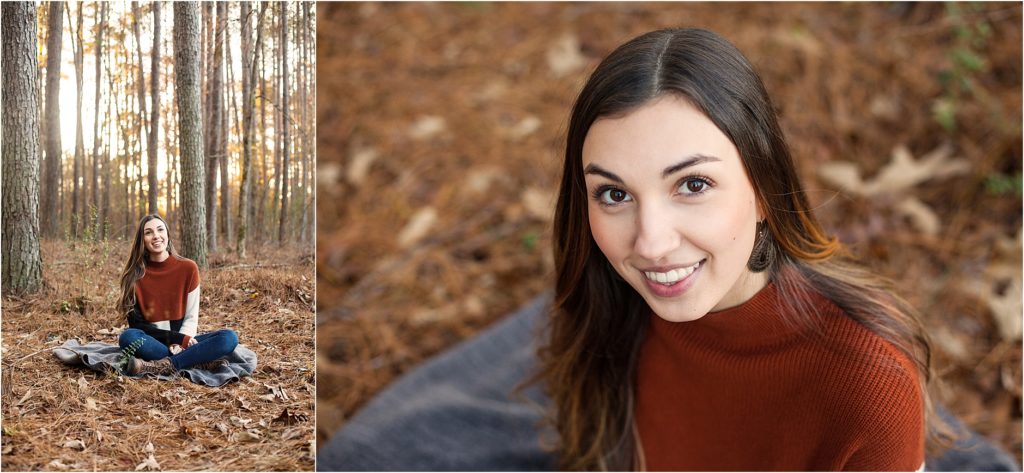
(609, 233)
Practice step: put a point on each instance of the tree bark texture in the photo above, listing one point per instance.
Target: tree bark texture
(190, 133)
(78, 214)
(22, 264)
(51, 189)
(154, 120)
(213, 127)
(285, 125)
(101, 22)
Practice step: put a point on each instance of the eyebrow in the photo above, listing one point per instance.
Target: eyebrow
(685, 163)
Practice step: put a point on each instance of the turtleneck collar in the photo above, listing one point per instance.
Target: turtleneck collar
(756, 323)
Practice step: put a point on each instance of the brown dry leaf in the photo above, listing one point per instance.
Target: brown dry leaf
(90, 404)
(149, 464)
(327, 174)
(359, 165)
(291, 432)
(58, 464)
(427, 126)
(526, 127)
(565, 55)
(148, 448)
(418, 227)
(246, 436)
(921, 216)
(82, 383)
(539, 203)
(902, 173)
(74, 444)
(222, 428)
(244, 404)
(290, 418)
(7, 449)
(24, 398)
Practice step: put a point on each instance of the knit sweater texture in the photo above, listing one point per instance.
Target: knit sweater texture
(742, 389)
(167, 300)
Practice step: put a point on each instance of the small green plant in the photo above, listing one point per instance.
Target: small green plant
(971, 37)
(1002, 184)
(128, 354)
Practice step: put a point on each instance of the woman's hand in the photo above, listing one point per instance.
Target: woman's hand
(192, 342)
(175, 349)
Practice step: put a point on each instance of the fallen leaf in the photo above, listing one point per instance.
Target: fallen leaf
(565, 56)
(291, 432)
(359, 165)
(900, 174)
(289, 418)
(149, 464)
(524, 128)
(327, 174)
(222, 428)
(245, 436)
(24, 398)
(267, 397)
(58, 464)
(418, 227)
(82, 383)
(539, 204)
(148, 448)
(90, 404)
(921, 216)
(244, 404)
(74, 444)
(426, 127)
(10, 448)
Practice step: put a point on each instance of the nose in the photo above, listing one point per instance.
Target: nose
(656, 235)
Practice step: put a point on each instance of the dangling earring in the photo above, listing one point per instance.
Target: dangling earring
(764, 249)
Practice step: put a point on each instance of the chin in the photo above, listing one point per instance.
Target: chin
(673, 313)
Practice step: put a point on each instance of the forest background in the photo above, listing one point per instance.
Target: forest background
(442, 128)
(205, 114)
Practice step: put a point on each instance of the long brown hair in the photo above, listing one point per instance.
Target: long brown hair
(598, 320)
(135, 268)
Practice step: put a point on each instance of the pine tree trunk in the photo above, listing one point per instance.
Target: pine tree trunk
(78, 215)
(154, 120)
(22, 264)
(213, 128)
(284, 124)
(190, 133)
(101, 22)
(225, 127)
(51, 188)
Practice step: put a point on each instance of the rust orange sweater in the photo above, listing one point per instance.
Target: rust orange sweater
(742, 390)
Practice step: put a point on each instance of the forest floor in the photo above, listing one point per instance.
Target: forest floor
(58, 417)
(441, 128)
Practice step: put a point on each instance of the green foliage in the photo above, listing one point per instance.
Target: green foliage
(128, 354)
(530, 241)
(971, 36)
(1002, 184)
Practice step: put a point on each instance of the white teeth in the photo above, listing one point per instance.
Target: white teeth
(672, 276)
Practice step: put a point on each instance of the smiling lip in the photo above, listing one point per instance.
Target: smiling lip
(673, 289)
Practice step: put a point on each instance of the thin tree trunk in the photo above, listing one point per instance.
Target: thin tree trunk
(154, 121)
(77, 193)
(261, 207)
(141, 89)
(285, 124)
(213, 128)
(190, 136)
(101, 22)
(225, 157)
(22, 262)
(249, 61)
(51, 188)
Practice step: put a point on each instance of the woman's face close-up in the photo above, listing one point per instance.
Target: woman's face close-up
(672, 209)
(154, 236)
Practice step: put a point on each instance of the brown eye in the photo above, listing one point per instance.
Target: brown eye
(694, 186)
(613, 196)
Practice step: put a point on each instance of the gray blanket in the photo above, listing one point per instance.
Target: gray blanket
(103, 357)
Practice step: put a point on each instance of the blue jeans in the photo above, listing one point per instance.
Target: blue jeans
(212, 345)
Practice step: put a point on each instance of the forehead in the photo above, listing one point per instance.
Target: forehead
(660, 132)
(153, 224)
